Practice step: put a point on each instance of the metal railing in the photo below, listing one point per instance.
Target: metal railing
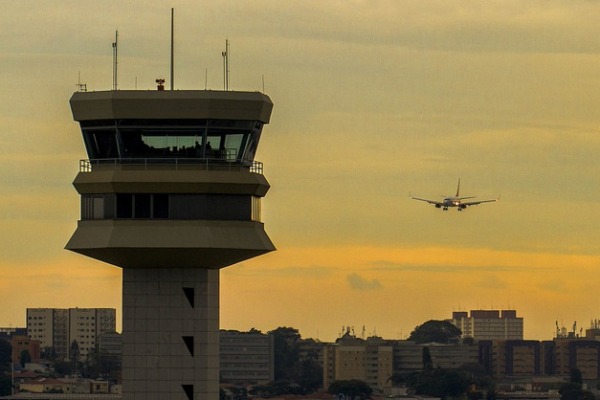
(218, 164)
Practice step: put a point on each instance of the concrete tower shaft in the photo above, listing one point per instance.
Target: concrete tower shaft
(171, 193)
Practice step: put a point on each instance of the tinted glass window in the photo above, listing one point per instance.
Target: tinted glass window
(142, 205)
(124, 206)
(160, 206)
(101, 143)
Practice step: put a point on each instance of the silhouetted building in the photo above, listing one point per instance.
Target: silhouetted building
(408, 356)
(511, 358)
(246, 357)
(7, 333)
(110, 343)
(489, 324)
(582, 354)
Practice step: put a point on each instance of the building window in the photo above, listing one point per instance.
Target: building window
(219, 140)
(218, 207)
(256, 213)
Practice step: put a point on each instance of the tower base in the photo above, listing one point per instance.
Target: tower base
(170, 334)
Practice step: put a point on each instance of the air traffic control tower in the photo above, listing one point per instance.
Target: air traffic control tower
(171, 193)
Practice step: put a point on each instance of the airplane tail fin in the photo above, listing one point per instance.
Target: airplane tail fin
(458, 188)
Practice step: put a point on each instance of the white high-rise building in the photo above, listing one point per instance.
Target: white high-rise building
(59, 328)
(489, 324)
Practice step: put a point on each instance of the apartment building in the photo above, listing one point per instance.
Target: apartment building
(512, 358)
(369, 360)
(58, 328)
(246, 357)
(489, 324)
(577, 353)
(408, 356)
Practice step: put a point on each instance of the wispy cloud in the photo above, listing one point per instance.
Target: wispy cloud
(386, 266)
(359, 283)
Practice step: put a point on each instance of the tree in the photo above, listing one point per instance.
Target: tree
(576, 376)
(63, 368)
(479, 377)
(439, 383)
(310, 374)
(352, 389)
(426, 357)
(286, 351)
(49, 353)
(5, 356)
(573, 390)
(102, 365)
(74, 355)
(435, 331)
(5, 384)
(24, 358)
(5, 368)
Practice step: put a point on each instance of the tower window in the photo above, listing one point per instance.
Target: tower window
(160, 206)
(186, 140)
(256, 215)
(124, 206)
(217, 207)
(142, 205)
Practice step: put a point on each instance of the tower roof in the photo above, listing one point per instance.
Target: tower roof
(171, 104)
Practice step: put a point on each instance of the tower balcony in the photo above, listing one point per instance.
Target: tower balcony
(172, 164)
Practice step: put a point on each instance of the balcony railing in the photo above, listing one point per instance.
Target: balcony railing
(170, 164)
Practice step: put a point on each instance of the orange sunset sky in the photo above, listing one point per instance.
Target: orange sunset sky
(373, 100)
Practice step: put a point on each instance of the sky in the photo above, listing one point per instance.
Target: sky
(373, 100)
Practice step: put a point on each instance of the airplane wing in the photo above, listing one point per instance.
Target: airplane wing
(474, 203)
(436, 203)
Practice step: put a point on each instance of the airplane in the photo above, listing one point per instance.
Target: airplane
(454, 201)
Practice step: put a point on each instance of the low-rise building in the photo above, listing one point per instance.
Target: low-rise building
(46, 385)
(246, 357)
(20, 344)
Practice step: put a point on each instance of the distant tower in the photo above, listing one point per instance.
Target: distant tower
(170, 193)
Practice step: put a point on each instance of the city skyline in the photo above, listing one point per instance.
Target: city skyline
(373, 101)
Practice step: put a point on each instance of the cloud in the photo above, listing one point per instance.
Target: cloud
(359, 283)
(396, 267)
(493, 282)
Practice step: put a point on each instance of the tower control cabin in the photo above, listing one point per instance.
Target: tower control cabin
(171, 193)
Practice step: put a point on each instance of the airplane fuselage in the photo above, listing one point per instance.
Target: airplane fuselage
(451, 202)
(454, 201)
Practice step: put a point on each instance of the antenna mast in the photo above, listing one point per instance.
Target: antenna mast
(82, 87)
(115, 46)
(225, 55)
(172, 47)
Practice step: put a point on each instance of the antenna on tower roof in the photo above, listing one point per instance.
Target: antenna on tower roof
(82, 87)
(115, 46)
(225, 55)
(172, 48)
